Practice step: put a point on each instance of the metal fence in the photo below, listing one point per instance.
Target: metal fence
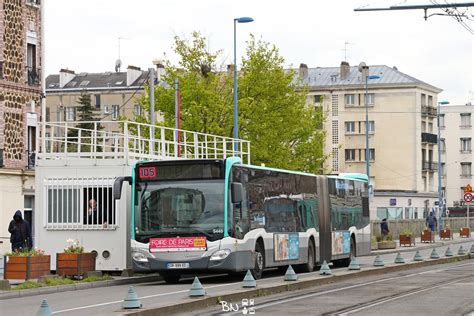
(135, 141)
(79, 203)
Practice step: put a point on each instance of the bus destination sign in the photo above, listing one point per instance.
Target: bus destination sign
(145, 172)
(178, 244)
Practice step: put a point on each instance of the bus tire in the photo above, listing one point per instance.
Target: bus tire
(171, 278)
(259, 263)
(309, 265)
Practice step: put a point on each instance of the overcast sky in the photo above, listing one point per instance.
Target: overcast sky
(83, 35)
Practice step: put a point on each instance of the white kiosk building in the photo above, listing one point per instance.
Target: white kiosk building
(75, 171)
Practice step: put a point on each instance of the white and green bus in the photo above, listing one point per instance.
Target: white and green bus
(225, 216)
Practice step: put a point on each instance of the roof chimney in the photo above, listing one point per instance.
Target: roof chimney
(160, 68)
(303, 71)
(345, 70)
(65, 76)
(133, 73)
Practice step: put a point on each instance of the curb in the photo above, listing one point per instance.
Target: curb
(199, 304)
(75, 287)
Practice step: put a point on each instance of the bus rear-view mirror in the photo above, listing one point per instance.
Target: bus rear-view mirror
(118, 183)
(236, 192)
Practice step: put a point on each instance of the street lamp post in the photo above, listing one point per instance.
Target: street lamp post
(440, 196)
(236, 115)
(367, 155)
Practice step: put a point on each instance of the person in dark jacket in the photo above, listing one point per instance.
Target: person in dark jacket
(384, 228)
(431, 221)
(20, 232)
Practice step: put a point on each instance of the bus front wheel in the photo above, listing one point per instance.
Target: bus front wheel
(259, 261)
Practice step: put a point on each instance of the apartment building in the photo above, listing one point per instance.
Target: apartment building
(456, 148)
(20, 98)
(402, 133)
(113, 94)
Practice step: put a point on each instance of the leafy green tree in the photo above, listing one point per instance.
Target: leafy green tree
(284, 131)
(86, 117)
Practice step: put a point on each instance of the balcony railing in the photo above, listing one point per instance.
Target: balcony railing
(430, 166)
(34, 76)
(429, 138)
(429, 111)
(110, 140)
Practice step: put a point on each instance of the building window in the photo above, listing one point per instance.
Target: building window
(442, 145)
(335, 159)
(33, 72)
(441, 121)
(138, 109)
(350, 154)
(466, 145)
(371, 127)
(465, 169)
(106, 109)
(430, 100)
(350, 127)
(335, 105)
(70, 114)
(97, 101)
(430, 127)
(443, 169)
(115, 112)
(465, 120)
(350, 99)
(48, 115)
(335, 132)
(85, 203)
(318, 98)
(423, 99)
(370, 99)
(372, 154)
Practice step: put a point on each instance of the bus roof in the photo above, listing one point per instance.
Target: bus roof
(354, 176)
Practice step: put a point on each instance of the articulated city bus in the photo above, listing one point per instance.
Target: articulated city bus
(222, 215)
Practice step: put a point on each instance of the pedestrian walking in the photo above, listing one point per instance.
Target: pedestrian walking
(431, 221)
(384, 228)
(20, 231)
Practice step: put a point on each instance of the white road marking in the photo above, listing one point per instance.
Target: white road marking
(143, 297)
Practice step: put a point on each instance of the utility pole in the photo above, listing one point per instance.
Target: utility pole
(152, 110)
(177, 113)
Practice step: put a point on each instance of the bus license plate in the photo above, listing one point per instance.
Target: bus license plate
(178, 265)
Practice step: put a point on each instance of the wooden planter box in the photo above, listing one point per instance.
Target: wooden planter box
(25, 268)
(386, 245)
(427, 236)
(74, 264)
(464, 232)
(445, 234)
(406, 240)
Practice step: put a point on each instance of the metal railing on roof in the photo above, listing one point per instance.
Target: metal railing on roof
(131, 141)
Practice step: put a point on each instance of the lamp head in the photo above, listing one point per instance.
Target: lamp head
(244, 19)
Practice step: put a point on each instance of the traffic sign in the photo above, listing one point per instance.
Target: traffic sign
(468, 197)
(468, 189)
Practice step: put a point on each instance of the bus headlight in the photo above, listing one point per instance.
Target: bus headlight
(139, 256)
(220, 254)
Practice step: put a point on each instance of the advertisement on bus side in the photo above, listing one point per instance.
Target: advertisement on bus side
(341, 242)
(286, 246)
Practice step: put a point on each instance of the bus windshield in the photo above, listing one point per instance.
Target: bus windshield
(179, 208)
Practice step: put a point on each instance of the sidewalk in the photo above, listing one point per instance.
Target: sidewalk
(419, 245)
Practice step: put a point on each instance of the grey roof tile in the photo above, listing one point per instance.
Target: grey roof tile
(323, 77)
